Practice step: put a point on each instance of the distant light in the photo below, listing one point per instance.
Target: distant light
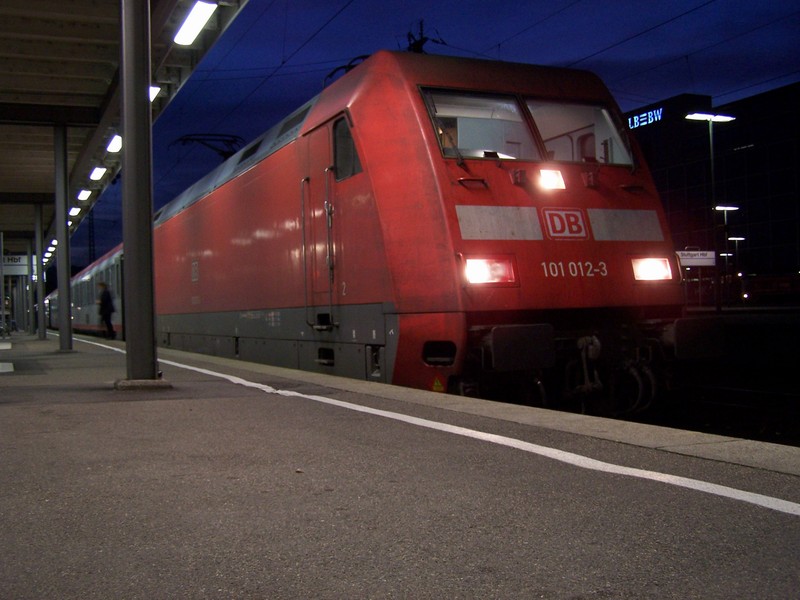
(736, 239)
(74, 211)
(51, 249)
(84, 195)
(48, 254)
(115, 145)
(726, 253)
(745, 295)
(97, 173)
(54, 242)
(198, 17)
(710, 117)
(154, 91)
(726, 207)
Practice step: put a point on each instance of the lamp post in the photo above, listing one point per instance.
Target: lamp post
(711, 119)
(725, 209)
(736, 240)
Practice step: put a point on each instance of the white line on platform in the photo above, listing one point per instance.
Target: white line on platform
(577, 460)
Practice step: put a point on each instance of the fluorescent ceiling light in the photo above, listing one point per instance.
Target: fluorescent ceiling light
(709, 117)
(721, 207)
(198, 17)
(154, 91)
(84, 195)
(115, 145)
(74, 211)
(97, 173)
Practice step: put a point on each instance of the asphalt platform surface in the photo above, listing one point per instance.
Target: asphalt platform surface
(245, 481)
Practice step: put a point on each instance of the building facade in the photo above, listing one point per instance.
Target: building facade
(756, 170)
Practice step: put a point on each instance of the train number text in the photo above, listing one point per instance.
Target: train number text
(579, 268)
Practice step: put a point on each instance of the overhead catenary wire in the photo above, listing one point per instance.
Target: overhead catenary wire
(531, 26)
(263, 80)
(641, 33)
(612, 83)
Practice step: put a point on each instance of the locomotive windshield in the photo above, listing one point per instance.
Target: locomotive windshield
(481, 126)
(579, 133)
(470, 125)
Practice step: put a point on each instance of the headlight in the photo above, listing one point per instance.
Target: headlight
(490, 270)
(551, 179)
(651, 269)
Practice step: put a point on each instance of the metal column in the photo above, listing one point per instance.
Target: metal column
(137, 192)
(40, 312)
(3, 327)
(63, 261)
(30, 307)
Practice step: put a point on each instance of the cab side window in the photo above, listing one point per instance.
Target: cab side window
(345, 157)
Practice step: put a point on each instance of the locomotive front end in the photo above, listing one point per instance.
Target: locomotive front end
(569, 278)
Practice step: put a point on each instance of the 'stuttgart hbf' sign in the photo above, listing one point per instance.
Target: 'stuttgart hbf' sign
(697, 258)
(15, 264)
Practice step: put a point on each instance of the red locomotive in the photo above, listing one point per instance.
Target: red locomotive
(435, 222)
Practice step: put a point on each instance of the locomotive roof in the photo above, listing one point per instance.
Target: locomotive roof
(272, 140)
(418, 69)
(495, 76)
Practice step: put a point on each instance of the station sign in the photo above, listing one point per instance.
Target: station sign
(16, 265)
(697, 258)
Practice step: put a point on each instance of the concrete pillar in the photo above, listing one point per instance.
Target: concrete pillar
(3, 318)
(30, 307)
(137, 192)
(63, 261)
(41, 324)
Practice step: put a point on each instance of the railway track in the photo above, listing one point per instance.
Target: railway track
(746, 413)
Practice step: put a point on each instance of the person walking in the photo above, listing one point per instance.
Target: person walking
(106, 309)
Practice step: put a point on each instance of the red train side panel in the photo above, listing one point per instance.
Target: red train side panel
(395, 228)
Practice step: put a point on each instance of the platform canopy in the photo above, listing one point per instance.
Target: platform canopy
(59, 65)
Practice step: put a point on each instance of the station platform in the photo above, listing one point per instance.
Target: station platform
(240, 480)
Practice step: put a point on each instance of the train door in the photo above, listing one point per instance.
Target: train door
(319, 213)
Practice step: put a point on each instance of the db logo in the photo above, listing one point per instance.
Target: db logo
(565, 223)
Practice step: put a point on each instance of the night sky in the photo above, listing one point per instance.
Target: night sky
(277, 53)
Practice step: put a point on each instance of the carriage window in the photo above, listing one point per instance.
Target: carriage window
(579, 133)
(345, 157)
(480, 126)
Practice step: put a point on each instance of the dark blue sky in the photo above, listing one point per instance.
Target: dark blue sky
(276, 55)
